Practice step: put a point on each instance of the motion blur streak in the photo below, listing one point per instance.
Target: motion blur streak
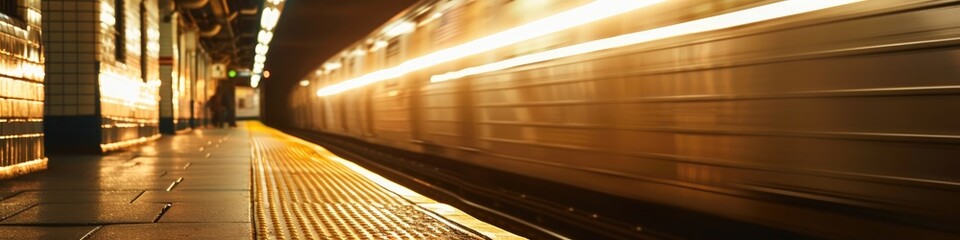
(587, 13)
(748, 16)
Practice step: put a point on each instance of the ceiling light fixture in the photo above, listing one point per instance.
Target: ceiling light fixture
(269, 18)
(581, 15)
(733, 19)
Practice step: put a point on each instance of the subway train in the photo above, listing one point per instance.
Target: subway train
(829, 118)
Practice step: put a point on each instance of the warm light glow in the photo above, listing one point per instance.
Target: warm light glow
(743, 17)
(265, 37)
(400, 29)
(445, 213)
(332, 66)
(23, 168)
(106, 147)
(565, 20)
(262, 49)
(428, 20)
(269, 18)
(304, 83)
(120, 89)
(107, 14)
(254, 81)
(268, 21)
(378, 45)
(359, 52)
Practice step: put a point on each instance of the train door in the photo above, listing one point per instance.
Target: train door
(317, 109)
(342, 108)
(368, 113)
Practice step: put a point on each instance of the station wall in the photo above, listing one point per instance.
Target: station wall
(185, 84)
(103, 74)
(21, 89)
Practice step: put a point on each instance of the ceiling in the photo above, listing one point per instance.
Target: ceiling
(228, 28)
(308, 33)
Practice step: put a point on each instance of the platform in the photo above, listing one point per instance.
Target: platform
(251, 182)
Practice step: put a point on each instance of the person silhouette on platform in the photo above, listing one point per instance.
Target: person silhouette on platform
(217, 110)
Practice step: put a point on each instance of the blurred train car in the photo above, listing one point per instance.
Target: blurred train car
(737, 108)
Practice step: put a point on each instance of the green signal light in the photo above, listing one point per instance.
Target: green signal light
(232, 73)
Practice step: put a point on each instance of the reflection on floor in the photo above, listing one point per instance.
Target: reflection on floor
(198, 186)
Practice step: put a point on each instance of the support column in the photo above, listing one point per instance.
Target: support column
(102, 76)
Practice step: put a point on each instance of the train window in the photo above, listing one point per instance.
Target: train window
(144, 69)
(120, 32)
(350, 69)
(10, 8)
(358, 62)
(393, 51)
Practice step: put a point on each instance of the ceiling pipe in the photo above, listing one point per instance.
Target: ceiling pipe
(225, 17)
(192, 4)
(168, 6)
(250, 11)
(212, 31)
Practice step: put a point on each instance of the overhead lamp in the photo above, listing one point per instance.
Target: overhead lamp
(264, 36)
(262, 48)
(269, 18)
(304, 83)
(581, 15)
(254, 81)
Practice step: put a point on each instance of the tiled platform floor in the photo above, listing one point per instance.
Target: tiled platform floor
(190, 186)
(198, 186)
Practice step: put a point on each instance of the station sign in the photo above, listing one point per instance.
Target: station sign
(218, 71)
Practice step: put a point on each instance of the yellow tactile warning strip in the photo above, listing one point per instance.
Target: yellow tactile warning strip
(302, 191)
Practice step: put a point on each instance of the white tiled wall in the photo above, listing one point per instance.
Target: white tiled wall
(71, 45)
(84, 75)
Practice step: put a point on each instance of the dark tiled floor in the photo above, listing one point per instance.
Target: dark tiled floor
(44, 232)
(176, 231)
(125, 195)
(87, 213)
